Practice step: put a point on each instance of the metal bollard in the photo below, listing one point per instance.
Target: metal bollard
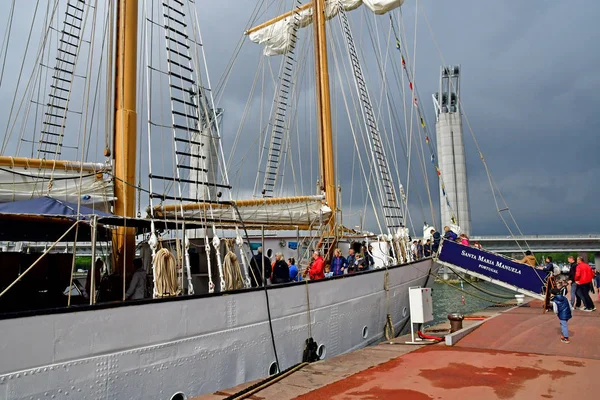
(456, 320)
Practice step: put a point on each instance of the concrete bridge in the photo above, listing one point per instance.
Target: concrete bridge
(583, 243)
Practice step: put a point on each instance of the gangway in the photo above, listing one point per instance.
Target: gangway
(493, 268)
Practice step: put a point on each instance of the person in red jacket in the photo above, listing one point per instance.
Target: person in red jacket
(583, 277)
(316, 270)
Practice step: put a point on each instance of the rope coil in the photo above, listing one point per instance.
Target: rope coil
(166, 274)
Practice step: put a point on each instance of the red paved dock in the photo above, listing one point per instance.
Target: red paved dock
(517, 354)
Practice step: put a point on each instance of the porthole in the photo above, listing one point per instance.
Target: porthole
(178, 396)
(321, 351)
(365, 332)
(404, 311)
(273, 368)
(269, 253)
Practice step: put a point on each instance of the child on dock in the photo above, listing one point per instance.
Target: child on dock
(562, 308)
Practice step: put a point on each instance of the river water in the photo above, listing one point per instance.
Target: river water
(447, 299)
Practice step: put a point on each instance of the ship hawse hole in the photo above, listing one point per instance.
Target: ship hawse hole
(404, 311)
(269, 253)
(321, 351)
(365, 332)
(178, 396)
(273, 368)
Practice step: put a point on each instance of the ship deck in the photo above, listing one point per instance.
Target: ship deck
(515, 353)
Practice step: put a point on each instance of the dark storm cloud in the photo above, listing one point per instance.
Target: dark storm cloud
(529, 89)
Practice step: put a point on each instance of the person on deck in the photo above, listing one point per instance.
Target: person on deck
(583, 277)
(413, 250)
(338, 263)
(367, 259)
(427, 248)
(449, 234)
(419, 249)
(294, 276)
(316, 270)
(529, 259)
(464, 240)
(256, 266)
(281, 271)
(351, 261)
(137, 286)
(437, 237)
(97, 277)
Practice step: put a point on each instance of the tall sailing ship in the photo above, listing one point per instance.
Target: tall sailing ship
(162, 192)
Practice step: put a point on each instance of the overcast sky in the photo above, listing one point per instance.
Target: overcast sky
(529, 89)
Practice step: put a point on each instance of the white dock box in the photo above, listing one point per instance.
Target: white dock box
(421, 304)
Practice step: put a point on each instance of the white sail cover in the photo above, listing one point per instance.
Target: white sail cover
(277, 37)
(380, 7)
(307, 213)
(307, 210)
(18, 184)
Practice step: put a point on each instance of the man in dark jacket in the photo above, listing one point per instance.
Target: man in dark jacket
(575, 299)
(281, 271)
(351, 261)
(436, 241)
(427, 248)
(256, 265)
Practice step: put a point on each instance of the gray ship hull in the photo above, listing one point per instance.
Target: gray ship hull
(153, 349)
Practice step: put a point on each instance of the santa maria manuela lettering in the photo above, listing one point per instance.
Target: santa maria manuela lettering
(491, 263)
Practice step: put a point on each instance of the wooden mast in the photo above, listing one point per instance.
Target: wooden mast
(324, 110)
(125, 129)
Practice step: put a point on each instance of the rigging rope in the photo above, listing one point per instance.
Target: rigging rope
(493, 186)
(6, 40)
(424, 126)
(356, 146)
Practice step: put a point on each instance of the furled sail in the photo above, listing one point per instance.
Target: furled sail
(65, 182)
(278, 36)
(304, 211)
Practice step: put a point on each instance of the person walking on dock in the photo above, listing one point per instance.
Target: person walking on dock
(575, 299)
(562, 309)
(583, 278)
(597, 280)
